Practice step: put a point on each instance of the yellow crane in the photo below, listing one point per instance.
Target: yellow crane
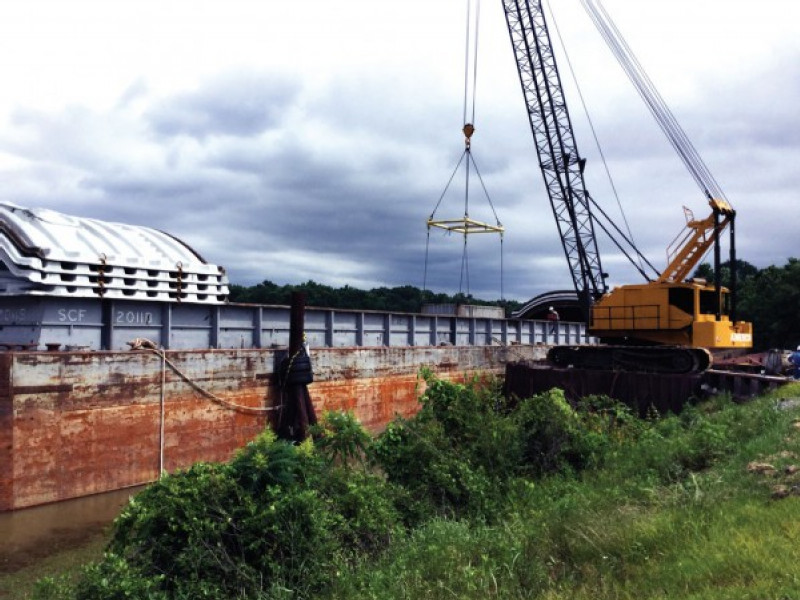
(671, 322)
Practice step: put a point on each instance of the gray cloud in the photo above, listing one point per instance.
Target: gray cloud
(276, 179)
(241, 104)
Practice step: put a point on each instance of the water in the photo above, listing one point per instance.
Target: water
(31, 534)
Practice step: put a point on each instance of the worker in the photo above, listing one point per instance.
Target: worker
(794, 358)
(553, 317)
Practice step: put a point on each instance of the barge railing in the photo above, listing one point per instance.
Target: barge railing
(78, 324)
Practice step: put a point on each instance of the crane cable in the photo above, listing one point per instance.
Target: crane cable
(469, 126)
(652, 98)
(474, 57)
(629, 238)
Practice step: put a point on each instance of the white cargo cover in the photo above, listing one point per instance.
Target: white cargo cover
(44, 252)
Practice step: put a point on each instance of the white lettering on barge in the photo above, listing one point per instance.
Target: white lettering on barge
(71, 315)
(134, 317)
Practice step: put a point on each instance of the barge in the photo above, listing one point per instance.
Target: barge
(84, 409)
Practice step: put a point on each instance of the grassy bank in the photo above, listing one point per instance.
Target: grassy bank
(637, 528)
(478, 497)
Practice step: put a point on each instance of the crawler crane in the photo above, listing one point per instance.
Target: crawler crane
(670, 323)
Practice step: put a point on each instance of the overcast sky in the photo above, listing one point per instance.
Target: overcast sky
(291, 141)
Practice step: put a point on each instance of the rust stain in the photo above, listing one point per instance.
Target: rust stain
(73, 424)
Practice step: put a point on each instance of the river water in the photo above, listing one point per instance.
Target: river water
(31, 534)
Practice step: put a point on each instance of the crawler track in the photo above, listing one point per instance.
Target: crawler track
(647, 359)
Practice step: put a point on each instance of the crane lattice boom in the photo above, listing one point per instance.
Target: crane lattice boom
(559, 159)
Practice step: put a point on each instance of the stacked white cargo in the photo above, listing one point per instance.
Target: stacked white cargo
(46, 253)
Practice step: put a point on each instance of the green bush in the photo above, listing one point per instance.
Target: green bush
(340, 437)
(115, 579)
(460, 453)
(417, 456)
(553, 437)
(279, 516)
(475, 421)
(367, 520)
(185, 527)
(455, 457)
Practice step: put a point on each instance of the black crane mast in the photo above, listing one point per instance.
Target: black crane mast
(559, 160)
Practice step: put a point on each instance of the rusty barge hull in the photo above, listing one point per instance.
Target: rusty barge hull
(79, 423)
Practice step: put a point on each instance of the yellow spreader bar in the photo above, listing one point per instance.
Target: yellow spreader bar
(466, 225)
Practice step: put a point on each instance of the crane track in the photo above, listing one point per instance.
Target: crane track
(676, 360)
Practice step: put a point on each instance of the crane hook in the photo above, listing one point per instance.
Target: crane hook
(468, 130)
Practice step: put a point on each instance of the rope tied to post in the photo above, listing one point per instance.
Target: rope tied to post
(150, 346)
(296, 369)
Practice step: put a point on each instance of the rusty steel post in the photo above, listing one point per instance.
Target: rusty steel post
(297, 318)
(297, 414)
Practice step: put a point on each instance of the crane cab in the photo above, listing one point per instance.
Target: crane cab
(689, 313)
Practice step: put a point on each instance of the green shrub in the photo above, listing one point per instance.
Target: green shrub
(230, 530)
(267, 462)
(417, 456)
(340, 438)
(367, 520)
(553, 435)
(278, 519)
(115, 579)
(475, 420)
(185, 527)
(458, 455)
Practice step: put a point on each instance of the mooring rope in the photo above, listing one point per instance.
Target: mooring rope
(149, 346)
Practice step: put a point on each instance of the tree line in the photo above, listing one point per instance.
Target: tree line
(405, 298)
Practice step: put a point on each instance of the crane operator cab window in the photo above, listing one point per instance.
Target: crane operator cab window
(708, 302)
(682, 299)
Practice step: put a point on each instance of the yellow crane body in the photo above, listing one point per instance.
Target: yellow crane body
(681, 314)
(675, 310)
